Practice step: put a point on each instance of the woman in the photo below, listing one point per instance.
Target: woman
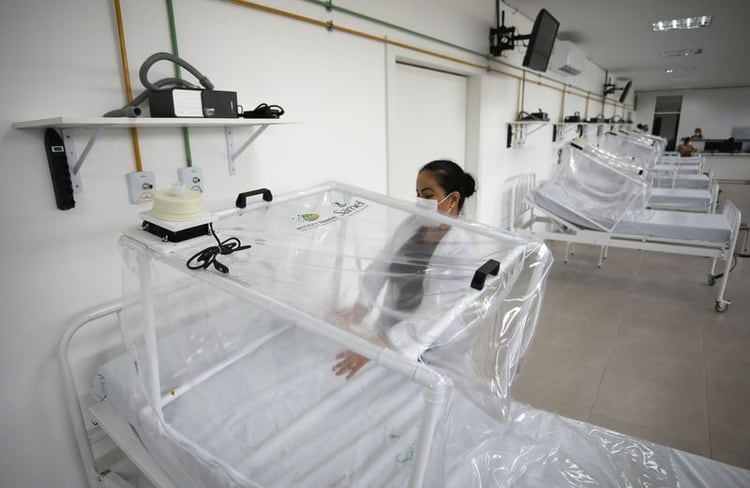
(442, 186)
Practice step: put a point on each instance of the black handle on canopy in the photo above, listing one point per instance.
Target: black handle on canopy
(242, 197)
(480, 275)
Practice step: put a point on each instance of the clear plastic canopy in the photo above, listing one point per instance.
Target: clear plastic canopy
(659, 143)
(233, 382)
(589, 191)
(642, 151)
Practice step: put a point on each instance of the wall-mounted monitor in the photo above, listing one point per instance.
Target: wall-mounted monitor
(541, 41)
(625, 91)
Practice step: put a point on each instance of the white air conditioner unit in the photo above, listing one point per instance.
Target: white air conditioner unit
(567, 58)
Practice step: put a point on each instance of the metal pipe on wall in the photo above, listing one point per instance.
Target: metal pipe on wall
(331, 26)
(178, 75)
(126, 79)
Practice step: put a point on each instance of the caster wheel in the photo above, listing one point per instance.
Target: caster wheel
(721, 306)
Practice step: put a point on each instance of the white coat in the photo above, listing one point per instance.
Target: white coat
(446, 280)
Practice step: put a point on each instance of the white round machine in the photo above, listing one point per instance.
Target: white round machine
(178, 204)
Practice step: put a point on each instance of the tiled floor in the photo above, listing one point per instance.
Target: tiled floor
(637, 347)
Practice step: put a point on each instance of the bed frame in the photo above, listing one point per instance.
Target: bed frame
(110, 449)
(524, 220)
(713, 191)
(106, 463)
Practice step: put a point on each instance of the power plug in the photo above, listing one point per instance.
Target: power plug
(191, 178)
(141, 186)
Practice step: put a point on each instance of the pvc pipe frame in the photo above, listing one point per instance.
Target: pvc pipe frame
(436, 385)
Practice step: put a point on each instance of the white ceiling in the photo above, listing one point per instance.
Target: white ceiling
(617, 36)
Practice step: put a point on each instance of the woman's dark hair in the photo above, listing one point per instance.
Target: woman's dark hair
(451, 177)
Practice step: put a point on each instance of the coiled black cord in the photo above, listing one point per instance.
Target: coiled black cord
(207, 257)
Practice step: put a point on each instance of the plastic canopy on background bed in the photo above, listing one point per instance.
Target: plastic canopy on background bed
(642, 152)
(589, 190)
(247, 395)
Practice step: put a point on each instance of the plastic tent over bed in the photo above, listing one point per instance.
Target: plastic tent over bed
(228, 378)
(234, 382)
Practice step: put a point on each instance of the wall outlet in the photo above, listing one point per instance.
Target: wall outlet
(191, 178)
(141, 186)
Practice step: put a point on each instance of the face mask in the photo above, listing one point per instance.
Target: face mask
(429, 205)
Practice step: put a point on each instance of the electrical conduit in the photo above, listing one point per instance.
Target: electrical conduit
(126, 78)
(328, 5)
(178, 75)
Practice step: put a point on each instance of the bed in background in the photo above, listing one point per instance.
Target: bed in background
(589, 201)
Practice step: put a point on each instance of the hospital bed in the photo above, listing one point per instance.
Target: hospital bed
(226, 378)
(647, 152)
(590, 202)
(687, 199)
(531, 448)
(680, 165)
(662, 170)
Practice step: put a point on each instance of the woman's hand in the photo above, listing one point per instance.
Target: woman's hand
(353, 315)
(350, 362)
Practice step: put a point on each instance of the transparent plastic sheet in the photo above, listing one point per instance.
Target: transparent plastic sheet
(589, 192)
(234, 387)
(618, 162)
(641, 152)
(535, 448)
(659, 143)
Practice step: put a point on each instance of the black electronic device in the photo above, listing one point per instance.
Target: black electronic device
(264, 111)
(171, 235)
(192, 102)
(610, 88)
(576, 117)
(541, 40)
(219, 104)
(59, 170)
(534, 116)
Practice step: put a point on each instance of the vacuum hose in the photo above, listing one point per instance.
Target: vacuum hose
(132, 109)
(151, 60)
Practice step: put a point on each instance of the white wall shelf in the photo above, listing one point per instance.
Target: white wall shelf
(68, 126)
(519, 130)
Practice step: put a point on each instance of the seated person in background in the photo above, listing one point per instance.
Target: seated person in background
(686, 149)
(698, 133)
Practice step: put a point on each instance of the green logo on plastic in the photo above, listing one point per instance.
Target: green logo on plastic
(306, 217)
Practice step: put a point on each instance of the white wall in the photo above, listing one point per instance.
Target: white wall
(62, 58)
(715, 111)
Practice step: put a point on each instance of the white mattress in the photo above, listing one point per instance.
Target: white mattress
(683, 181)
(681, 199)
(284, 423)
(659, 224)
(362, 432)
(681, 168)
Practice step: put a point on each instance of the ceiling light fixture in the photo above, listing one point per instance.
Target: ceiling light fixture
(683, 52)
(681, 24)
(681, 69)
